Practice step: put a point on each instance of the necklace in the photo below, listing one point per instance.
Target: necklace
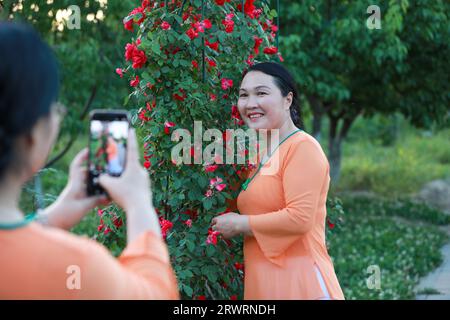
(261, 164)
(15, 225)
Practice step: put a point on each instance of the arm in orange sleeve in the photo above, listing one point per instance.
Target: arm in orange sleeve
(304, 175)
(143, 271)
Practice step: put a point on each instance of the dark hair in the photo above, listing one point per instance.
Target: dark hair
(285, 82)
(29, 83)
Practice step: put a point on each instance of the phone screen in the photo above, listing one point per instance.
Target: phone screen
(107, 148)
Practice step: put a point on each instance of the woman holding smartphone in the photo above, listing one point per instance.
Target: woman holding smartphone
(283, 201)
(37, 261)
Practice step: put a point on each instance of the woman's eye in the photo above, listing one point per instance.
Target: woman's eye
(242, 95)
(261, 93)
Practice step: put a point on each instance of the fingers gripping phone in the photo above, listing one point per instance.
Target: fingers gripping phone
(108, 137)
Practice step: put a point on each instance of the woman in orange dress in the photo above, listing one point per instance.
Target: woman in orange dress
(282, 204)
(43, 260)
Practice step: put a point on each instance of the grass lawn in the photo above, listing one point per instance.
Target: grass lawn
(401, 239)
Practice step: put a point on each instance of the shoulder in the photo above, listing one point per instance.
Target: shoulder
(304, 147)
(63, 244)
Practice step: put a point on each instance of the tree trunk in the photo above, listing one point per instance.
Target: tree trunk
(335, 156)
(334, 150)
(318, 111)
(336, 139)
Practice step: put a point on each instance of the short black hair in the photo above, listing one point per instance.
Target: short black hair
(29, 84)
(285, 82)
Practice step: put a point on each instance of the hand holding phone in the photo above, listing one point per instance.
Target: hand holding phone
(108, 135)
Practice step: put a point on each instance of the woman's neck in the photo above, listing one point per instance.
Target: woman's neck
(287, 128)
(9, 200)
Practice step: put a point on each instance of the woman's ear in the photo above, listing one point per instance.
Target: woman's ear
(288, 100)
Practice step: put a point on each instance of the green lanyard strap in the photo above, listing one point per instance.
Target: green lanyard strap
(11, 226)
(261, 164)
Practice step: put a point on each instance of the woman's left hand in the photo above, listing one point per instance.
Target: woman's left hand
(231, 224)
(73, 203)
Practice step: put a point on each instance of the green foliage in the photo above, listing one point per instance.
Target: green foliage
(403, 253)
(173, 93)
(87, 57)
(400, 67)
(417, 157)
(405, 207)
(372, 235)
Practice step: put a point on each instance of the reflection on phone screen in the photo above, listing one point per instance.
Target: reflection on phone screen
(108, 147)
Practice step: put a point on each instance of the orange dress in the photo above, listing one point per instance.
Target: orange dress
(287, 258)
(39, 262)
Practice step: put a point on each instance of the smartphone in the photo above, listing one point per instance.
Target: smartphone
(108, 137)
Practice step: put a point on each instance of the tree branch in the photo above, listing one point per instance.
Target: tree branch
(73, 137)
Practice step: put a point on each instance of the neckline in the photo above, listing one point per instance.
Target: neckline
(261, 164)
(16, 225)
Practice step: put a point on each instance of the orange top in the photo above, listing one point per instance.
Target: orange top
(39, 262)
(287, 210)
(111, 149)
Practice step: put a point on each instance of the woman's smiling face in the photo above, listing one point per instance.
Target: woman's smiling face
(261, 103)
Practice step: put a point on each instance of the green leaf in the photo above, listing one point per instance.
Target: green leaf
(207, 203)
(210, 250)
(165, 69)
(178, 18)
(188, 290)
(191, 246)
(156, 48)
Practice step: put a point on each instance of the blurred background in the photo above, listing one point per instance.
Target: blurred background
(374, 78)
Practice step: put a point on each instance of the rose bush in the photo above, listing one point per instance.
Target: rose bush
(183, 64)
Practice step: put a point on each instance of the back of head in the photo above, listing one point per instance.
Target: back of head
(29, 84)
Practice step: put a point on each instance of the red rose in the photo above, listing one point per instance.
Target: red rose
(167, 126)
(211, 168)
(221, 2)
(270, 50)
(136, 12)
(128, 25)
(330, 224)
(134, 82)
(119, 72)
(214, 46)
(118, 222)
(166, 225)
(191, 33)
(165, 25)
(228, 23)
(210, 62)
(188, 223)
(249, 60)
(220, 187)
(212, 237)
(249, 7)
(129, 51)
(239, 266)
(258, 42)
(139, 59)
(226, 83)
